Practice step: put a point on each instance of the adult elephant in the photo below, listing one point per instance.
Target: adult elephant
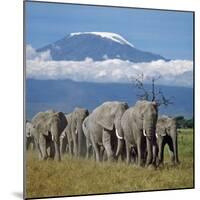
(104, 125)
(47, 128)
(166, 133)
(30, 142)
(74, 132)
(139, 125)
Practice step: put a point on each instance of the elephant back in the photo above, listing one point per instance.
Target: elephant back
(106, 114)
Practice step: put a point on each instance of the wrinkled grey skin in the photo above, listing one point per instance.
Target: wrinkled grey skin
(102, 124)
(30, 142)
(166, 133)
(74, 132)
(139, 125)
(47, 128)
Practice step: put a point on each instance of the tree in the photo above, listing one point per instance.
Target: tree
(184, 123)
(154, 94)
(189, 123)
(180, 121)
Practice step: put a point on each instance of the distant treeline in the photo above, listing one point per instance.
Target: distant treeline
(184, 123)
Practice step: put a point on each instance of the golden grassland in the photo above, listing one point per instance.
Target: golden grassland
(80, 176)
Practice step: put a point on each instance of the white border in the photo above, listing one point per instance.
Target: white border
(11, 87)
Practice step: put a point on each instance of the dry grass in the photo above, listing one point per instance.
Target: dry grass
(79, 176)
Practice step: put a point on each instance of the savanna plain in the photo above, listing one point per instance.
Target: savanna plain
(74, 176)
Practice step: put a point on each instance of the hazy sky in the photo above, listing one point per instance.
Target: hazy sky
(167, 33)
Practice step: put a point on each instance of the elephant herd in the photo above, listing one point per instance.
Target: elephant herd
(110, 132)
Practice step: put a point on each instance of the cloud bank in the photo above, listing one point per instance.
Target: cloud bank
(41, 66)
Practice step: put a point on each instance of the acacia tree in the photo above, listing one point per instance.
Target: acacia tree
(154, 93)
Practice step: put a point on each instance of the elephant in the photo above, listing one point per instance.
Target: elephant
(104, 127)
(139, 125)
(30, 142)
(47, 128)
(166, 133)
(73, 133)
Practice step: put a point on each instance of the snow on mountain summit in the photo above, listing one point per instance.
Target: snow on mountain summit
(112, 36)
(98, 46)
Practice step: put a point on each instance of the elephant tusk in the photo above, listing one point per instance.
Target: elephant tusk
(52, 137)
(76, 131)
(62, 136)
(156, 135)
(117, 134)
(144, 133)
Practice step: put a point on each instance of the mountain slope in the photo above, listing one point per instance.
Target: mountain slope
(98, 46)
(65, 95)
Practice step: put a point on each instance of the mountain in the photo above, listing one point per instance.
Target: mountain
(98, 46)
(65, 95)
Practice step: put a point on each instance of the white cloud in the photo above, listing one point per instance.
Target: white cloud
(31, 54)
(41, 66)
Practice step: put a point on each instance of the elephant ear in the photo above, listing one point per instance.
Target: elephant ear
(105, 116)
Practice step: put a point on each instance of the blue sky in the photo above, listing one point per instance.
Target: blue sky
(169, 34)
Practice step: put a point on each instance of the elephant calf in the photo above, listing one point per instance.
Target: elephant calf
(166, 133)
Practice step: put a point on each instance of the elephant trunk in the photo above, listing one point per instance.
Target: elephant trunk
(149, 151)
(155, 151)
(55, 130)
(61, 146)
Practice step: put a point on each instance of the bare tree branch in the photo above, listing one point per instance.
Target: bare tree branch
(155, 94)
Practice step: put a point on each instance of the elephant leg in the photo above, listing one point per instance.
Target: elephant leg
(75, 144)
(43, 147)
(139, 151)
(97, 151)
(106, 139)
(87, 148)
(171, 150)
(103, 154)
(52, 150)
(161, 144)
(155, 152)
(67, 148)
(61, 146)
(133, 155)
(33, 142)
(70, 145)
(39, 150)
(128, 152)
(175, 148)
(27, 143)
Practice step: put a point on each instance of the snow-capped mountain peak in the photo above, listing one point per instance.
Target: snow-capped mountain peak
(98, 46)
(112, 36)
